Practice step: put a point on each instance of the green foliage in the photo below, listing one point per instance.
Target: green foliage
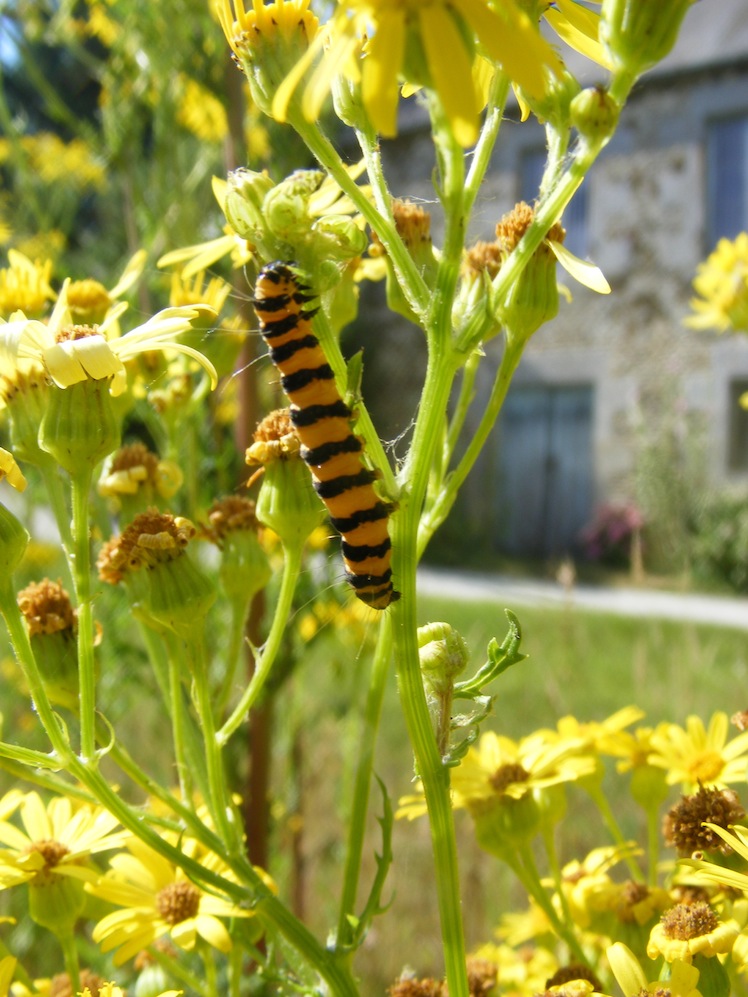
(720, 540)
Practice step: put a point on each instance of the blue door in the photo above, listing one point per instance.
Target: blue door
(545, 486)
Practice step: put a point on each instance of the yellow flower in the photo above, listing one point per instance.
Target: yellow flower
(695, 755)
(24, 286)
(722, 285)
(632, 979)
(10, 470)
(723, 876)
(687, 930)
(502, 768)
(379, 44)
(71, 354)
(204, 255)
(89, 301)
(56, 840)
(7, 969)
(201, 112)
(157, 899)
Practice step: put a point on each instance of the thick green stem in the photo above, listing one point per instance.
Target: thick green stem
(266, 658)
(70, 955)
(434, 776)
(360, 802)
(81, 571)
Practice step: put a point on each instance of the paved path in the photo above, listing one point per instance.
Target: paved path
(723, 611)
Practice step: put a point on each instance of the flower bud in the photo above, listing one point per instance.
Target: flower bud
(287, 503)
(80, 426)
(286, 206)
(443, 654)
(52, 624)
(14, 540)
(246, 191)
(594, 114)
(637, 34)
(245, 568)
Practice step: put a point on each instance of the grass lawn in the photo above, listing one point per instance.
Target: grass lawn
(587, 664)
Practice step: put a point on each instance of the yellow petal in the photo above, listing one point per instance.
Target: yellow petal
(382, 62)
(510, 38)
(10, 470)
(451, 70)
(578, 27)
(131, 273)
(581, 270)
(626, 969)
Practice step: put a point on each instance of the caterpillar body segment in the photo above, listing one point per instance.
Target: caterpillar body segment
(322, 420)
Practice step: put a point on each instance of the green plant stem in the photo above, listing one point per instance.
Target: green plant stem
(178, 730)
(319, 145)
(653, 845)
(81, 572)
(523, 865)
(466, 395)
(265, 658)
(360, 802)
(434, 776)
(223, 810)
(439, 511)
(481, 157)
(265, 904)
(54, 491)
(70, 956)
(177, 970)
(593, 787)
(234, 652)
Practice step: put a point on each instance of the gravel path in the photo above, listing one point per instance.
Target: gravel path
(722, 611)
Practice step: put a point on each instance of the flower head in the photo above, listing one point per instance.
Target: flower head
(697, 755)
(54, 841)
(157, 900)
(24, 285)
(72, 353)
(687, 930)
(632, 979)
(721, 283)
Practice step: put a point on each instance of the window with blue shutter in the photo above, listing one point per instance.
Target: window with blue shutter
(727, 178)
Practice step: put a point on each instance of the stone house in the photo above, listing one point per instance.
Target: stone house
(615, 390)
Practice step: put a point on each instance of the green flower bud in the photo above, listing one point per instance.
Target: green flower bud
(14, 540)
(286, 206)
(594, 114)
(55, 902)
(532, 299)
(80, 426)
(637, 34)
(502, 824)
(244, 206)
(287, 503)
(245, 568)
(26, 399)
(338, 237)
(52, 625)
(180, 595)
(443, 654)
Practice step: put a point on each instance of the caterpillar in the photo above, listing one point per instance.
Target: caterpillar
(323, 423)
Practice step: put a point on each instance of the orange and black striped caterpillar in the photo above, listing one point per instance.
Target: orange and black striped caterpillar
(323, 423)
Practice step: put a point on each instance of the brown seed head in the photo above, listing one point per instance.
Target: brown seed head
(178, 902)
(229, 515)
(507, 774)
(682, 826)
(46, 608)
(151, 538)
(516, 222)
(685, 921)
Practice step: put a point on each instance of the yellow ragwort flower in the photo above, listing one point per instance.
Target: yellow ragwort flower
(632, 979)
(24, 285)
(722, 875)
(55, 841)
(687, 930)
(380, 44)
(156, 900)
(201, 112)
(700, 756)
(722, 285)
(70, 353)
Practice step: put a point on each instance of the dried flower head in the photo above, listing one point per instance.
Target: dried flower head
(152, 538)
(46, 608)
(274, 439)
(683, 825)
